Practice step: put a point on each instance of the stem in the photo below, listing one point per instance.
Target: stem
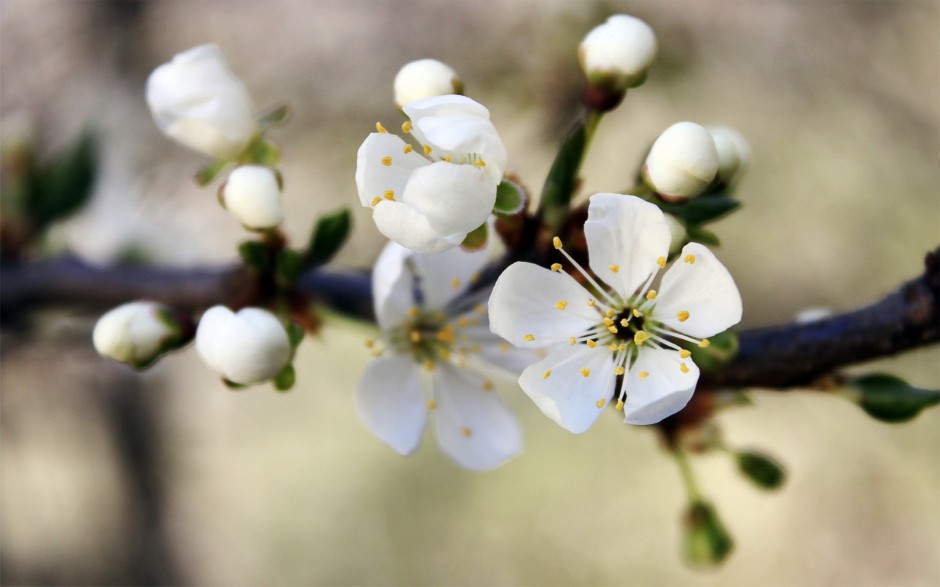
(688, 476)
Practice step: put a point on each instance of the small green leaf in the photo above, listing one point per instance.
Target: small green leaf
(562, 177)
(285, 380)
(476, 239)
(510, 198)
(234, 386)
(329, 234)
(295, 333)
(701, 235)
(706, 542)
(721, 349)
(288, 265)
(60, 187)
(255, 255)
(262, 152)
(762, 470)
(207, 174)
(275, 116)
(891, 399)
(703, 209)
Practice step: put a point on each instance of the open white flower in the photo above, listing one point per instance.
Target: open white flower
(425, 78)
(620, 327)
(428, 196)
(247, 347)
(252, 194)
(136, 333)
(436, 350)
(197, 101)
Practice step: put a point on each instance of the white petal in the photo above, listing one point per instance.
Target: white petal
(523, 306)
(391, 402)
(664, 391)
(473, 426)
(392, 286)
(444, 276)
(566, 395)
(453, 198)
(410, 229)
(462, 136)
(704, 289)
(450, 105)
(628, 234)
(248, 347)
(373, 177)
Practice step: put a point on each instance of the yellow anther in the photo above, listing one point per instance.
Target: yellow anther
(389, 195)
(661, 262)
(379, 127)
(455, 282)
(547, 374)
(651, 294)
(610, 313)
(622, 347)
(432, 405)
(690, 258)
(608, 321)
(612, 329)
(387, 160)
(640, 337)
(618, 370)
(636, 313)
(685, 353)
(600, 403)
(413, 311)
(561, 305)
(375, 201)
(445, 335)
(703, 343)
(480, 309)
(427, 149)
(466, 431)
(556, 242)
(369, 343)
(480, 163)
(407, 149)
(529, 337)
(643, 375)
(444, 354)
(624, 322)
(463, 322)
(683, 367)
(487, 385)
(614, 268)
(585, 371)
(619, 405)
(406, 126)
(415, 336)
(682, 316)
(504, 346)
(572, 341)
(448, 159)
(612, 346)
(556, 267)
(429, 365)
(591, 303)
(591, 343)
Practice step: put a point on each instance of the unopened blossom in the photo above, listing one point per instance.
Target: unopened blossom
(734, 153)
(682, 162)
(432, 357)
(617, 325)
(425, 78)
(428, 194)
(247, 347)
(136, 333)
(252, 194)
(197, 101)
(617, 55)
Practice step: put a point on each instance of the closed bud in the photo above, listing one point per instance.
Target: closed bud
(425, 78)
(617, 55)
(734, 153)
(762, 470)
(677, 233)
(197, 101)
(253, 195)
(137, 333)
(247, 347)
(706, 542)
(682, 162)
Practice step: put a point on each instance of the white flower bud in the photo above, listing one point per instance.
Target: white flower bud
(197, 101)
(617, 54)
(734, 153)
(135, 333)
(248, 347)
(677, 233)
(683, 161)
(253, 195)
(425, 78)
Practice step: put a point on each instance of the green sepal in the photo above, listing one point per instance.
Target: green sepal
(764, 471)
(706, 543)
(60, 187)
(262, 152)
(329, 234)
(891, 399)
(721, 349)
(234, 386)
(285, 379)
(510, 198)
(295, 333)
(703, 209)
(207, 174)
(288, 265)
(562, 177)
(274, 116)
(476, 238)
(702, 235)
(255, 255)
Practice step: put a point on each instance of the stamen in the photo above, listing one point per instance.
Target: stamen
(429, 365)
(415, 336)
(643, 375)
(614, 268)
(572, 341)
(585, 371)
(379, 127)
(529, 337)
(487, 385)
(651, 294)
(610, 313)
(619, 405)
(612, 346)
(600, 403)
(556, 267)
(556, 242)
(561, 305)
(480, 309)
(636, 313)
(387, 160)
(612, 329)
(682, 316)
(690, 259)
(618, 370)
(504, 346)
(389, 195)
(624, 322)
(455, 283)
(703, 343)
(448, 159)
(369, 343)
(685, 353)
(466, 431)
(608, 321)
(480, 163)
(640, 337)
(547, 374)
(683, 367)
(432, 405)
(375, 201)
(413, 311)
(407, 149)
(661, 262)
(591, 343)
(610, 299)
(591, 303)
(427, 150)
(406, 127)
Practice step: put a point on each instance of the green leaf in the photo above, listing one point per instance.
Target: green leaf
(510, 198)
(207, 174)
(562, 177)
(285, 380)
(288, 265)
(476, 239)
(275, 116)
(720, 350)
(295, 333)
(702, 235)
(706, 542)
(329, 234)
(255, 255)
(60, 187)
(703, 209)
(761, 469)
(891, 399)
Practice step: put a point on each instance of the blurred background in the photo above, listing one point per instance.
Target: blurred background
(109, 477)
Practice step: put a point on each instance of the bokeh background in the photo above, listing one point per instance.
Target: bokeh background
(110, 477)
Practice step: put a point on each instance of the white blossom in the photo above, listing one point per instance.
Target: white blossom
(620, 325)
(682, 162)
(135, 333)
(429, 195)
(616, 55)
(247, 347)
(734, 153)
(425, 78)
(431, 358)
(197, 101)
(252, 194)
